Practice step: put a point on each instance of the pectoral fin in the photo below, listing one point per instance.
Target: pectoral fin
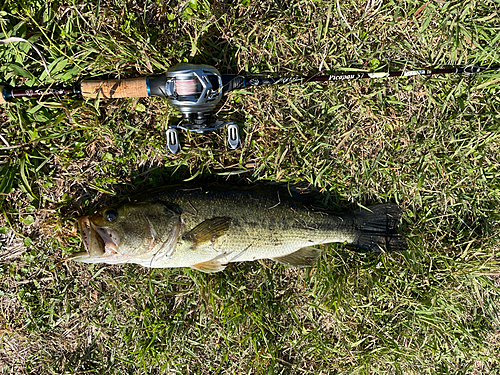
(305, 257)
(209, 266)
(208, 230)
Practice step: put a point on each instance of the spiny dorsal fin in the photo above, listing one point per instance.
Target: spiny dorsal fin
(209, 266)
(208, 230)
(305, 257)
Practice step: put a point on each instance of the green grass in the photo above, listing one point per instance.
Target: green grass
(430, 144)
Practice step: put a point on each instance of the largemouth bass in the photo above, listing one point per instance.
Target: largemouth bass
(208, 228)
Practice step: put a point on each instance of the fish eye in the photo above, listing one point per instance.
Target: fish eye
(111, 214)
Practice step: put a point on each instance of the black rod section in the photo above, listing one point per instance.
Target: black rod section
(350, 75)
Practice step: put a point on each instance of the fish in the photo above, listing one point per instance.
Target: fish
(207, 228)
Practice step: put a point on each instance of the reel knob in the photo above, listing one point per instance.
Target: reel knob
(233, 138)
(173, 144)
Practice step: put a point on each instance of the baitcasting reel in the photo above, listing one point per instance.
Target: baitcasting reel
(195, 90)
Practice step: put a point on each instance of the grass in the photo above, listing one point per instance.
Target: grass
(429, 144)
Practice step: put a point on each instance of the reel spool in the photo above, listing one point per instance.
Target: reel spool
(195, 90)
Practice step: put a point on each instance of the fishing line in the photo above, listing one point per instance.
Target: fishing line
(16, 39)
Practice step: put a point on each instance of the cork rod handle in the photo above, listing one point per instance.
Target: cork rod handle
(2, 99)
(125, 88)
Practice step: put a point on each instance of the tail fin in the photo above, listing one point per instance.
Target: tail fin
(378, 226)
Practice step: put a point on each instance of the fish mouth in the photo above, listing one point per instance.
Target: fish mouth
(98, 242)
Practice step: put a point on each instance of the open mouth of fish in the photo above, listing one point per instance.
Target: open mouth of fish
(98, 242)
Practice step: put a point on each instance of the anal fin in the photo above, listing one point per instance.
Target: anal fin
(304, 257)
(209, 266)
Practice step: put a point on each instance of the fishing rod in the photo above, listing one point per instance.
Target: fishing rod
(196, 90)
